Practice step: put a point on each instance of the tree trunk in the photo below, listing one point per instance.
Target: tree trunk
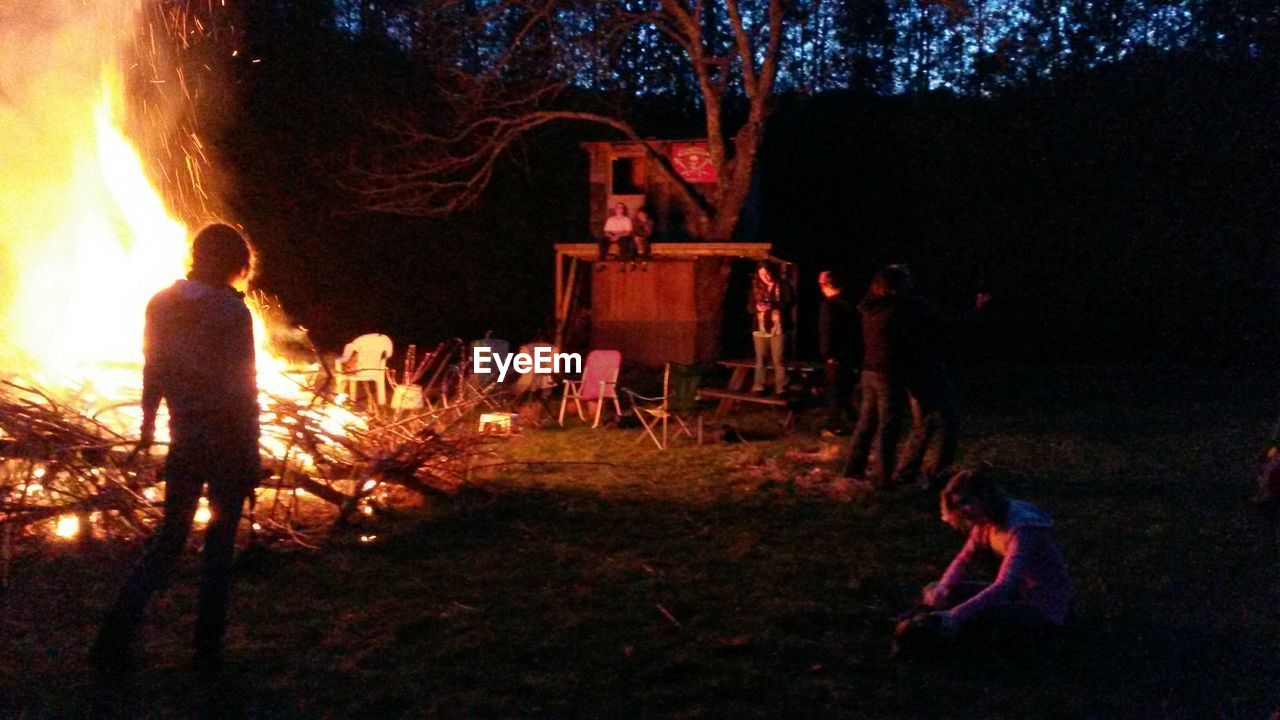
(735, 187)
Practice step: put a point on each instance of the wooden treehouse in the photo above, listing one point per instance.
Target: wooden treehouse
(679, 305)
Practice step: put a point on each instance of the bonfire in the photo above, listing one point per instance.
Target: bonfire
(86, 238)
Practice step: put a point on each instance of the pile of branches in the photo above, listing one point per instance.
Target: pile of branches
(428, 454)
(325, 465)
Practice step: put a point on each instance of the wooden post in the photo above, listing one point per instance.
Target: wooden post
(566, 303)
(793, 276)
(559, 287)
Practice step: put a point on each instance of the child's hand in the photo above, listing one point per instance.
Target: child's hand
(924, 634)
(947, 625)
(146, 437)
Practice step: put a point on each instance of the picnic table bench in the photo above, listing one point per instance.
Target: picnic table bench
(736, 390)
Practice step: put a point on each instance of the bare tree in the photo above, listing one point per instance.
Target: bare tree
(539, 54)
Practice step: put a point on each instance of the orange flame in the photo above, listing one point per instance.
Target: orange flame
(85, 237)
(87, 264)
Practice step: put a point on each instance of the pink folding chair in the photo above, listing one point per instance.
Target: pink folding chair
(599, 383)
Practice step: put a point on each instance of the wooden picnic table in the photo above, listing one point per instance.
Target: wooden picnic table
(736, 390)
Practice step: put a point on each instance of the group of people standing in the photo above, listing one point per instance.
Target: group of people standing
(904, 339)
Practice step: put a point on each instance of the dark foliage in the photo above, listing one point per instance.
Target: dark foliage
(1121, 210)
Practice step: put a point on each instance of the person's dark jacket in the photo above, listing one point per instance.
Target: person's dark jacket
(199, 358)
(780, 297)
(908, 336)
(837, 329)
(885, 345)
(642, 229)
(932, 331)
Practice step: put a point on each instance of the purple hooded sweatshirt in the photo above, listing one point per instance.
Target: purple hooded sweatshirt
(1032, 570)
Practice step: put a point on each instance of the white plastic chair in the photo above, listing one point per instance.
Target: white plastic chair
(599, 383)
(365, 361)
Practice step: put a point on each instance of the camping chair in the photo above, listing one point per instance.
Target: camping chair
(679, 397)
(599, 383)
(364, 360)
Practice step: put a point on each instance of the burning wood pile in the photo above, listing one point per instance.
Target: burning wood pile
(66, 472)
(100, 103)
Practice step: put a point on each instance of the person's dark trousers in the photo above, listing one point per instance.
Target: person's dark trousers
(627, 247)
(1010, 619)
(604, 244)
(839, 376)
(879, 417)
(936, 425)
(185, 473)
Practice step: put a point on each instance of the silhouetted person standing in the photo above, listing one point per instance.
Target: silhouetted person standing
(887, 353)
(199, 359)
(837, 343)
(936, 422)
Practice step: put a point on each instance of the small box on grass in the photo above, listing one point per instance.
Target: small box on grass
(501, 423)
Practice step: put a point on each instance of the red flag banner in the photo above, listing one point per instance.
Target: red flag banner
(693, 162)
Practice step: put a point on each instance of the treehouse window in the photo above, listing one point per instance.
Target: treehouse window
(628, 176)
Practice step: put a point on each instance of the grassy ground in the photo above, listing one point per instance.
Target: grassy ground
(737, 580)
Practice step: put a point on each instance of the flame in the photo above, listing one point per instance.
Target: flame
(83, 280)
(67, 527)
(86, 238)
(87, 247)
(87, 264)
(203, 513)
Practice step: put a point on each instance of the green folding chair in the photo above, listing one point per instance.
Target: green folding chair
(678, 402)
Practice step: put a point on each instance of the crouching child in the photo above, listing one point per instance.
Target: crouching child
(1031, 593)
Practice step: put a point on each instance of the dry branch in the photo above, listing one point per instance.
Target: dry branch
(325, 463)
(439, 162)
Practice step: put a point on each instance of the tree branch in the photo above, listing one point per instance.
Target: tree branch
(453, 177)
